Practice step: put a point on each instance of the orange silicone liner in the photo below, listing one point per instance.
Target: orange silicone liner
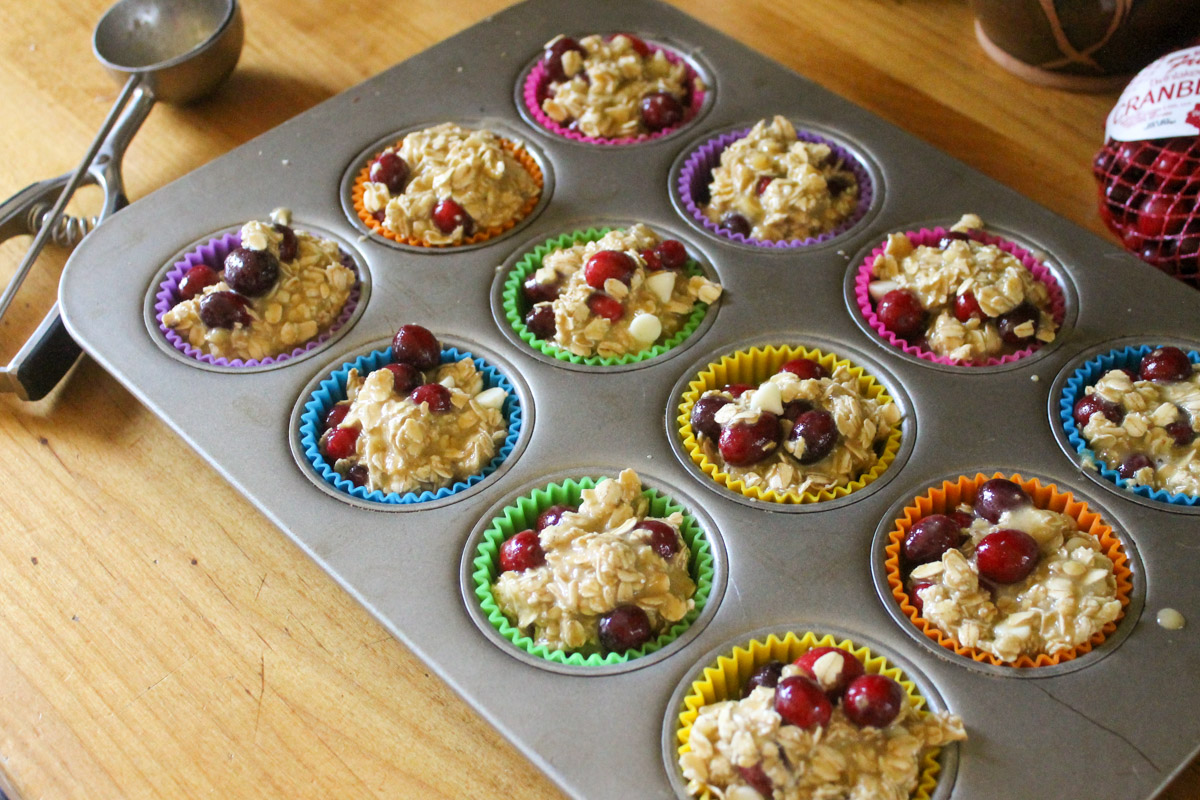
(753, 366)
(946, 498)
(519, 153)
(724, 681)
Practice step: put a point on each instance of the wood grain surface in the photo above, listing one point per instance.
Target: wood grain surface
(158, 637)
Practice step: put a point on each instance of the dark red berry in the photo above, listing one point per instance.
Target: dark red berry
(436, 396)
(358, 475)
(552, 57)
(289, 245)
(1181, 431)
(1007, 556)
(745, 443)
(603, 305)
(405, 377)
(536, 292)
(1095, 404)
(1165, 364)
(449, 215)
(802, 702)
(336, 415)
(391, 170)
(224, 310)
(758, 780)
(762, 184)
(660, 111)
(736, 390)
(662, 538)
(624, 628)
(417, 346)
(767, 675)
(966, 306)
(997, 496)
(805, 369)
(930, 537)
(819, 432)
(552, 516)
(339, 442)
(636, 43)
(914, 594)
(521, 552)
(251, 272)
(196, 280)
(963, 519)
(873, 701)
(792, 409)
(901, 312)
(702, 415)
(652, 260)
(606, 265)
(1155, 217)
(1132, 464)
(835, 676)
(1008, 323)
(735, 223)
(951, 236)
(672, 253)
(540, 321)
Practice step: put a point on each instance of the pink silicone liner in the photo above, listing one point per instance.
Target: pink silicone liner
(538, 80)
(213, 253)
(931, 239)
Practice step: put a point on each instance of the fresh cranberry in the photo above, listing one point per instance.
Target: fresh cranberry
(702, 415)
(336, 415)
(358, 475)
(660, 111)
(736, 390)
(224, 310)
(802, 702)
(819, 432)
(963, 519)
(289, 245)
(436, 396)
(652, 259)
(379, 216)
(767, 675)
(997, 496)
(744, 443)
(1008, 323)
(521, 552)
(552, 516)
(663, 539)
(672, 253)
(603, 305)
(1166, 364)
(966, 306)
(1095, 404)
(951, 236)
(1155, 217)
(805, 369)
(735, 223)
(914, 594)
(540, 321)
(873, 701)
(391, 170)
(536, 292)
(196, 280)
(449, 215)
(930, 537)
(417, 346)
(636, 43)
(793, 409)
(606, 265)
(624, 628)
(1132, 463)
(758, 780)
(901, 312)
(1133, 376)
(339, 442)
(1007, 556)
(552, 57)
(763, 182)
(251, 272)
(405, 377)
(1181, 431)
(836, 683)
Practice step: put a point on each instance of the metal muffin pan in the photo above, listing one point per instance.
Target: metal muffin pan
(1101, 731)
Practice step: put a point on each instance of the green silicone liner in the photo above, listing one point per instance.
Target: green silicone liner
(523, 513)
(511, 302)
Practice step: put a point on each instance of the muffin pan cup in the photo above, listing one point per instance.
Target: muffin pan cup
(599, 735)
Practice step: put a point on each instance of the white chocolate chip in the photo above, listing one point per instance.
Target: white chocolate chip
(662, 283)
(491, 398)
(645, 328)
(282, 216)
(767, 398)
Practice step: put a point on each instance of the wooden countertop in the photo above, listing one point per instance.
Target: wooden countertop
(158, 637)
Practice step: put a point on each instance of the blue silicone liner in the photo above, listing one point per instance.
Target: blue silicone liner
(333, 390)
(1087, 375)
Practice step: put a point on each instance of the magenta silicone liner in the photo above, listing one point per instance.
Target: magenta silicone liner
(696, 174)
(213, 254)
(931, 238)
(538, 79)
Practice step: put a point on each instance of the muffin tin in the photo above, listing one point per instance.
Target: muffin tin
(1116, 726)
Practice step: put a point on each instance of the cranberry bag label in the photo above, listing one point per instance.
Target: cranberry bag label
(1161, 101)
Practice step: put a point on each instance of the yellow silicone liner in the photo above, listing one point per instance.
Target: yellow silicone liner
(725, 679)
(753, 366)
(526, 160)
(949, 495)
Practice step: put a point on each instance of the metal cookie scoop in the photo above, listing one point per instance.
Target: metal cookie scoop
(172, 50)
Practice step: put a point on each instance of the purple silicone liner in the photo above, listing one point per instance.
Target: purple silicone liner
(697, 174)
(213, 253)
(931, 239)
(538, 79)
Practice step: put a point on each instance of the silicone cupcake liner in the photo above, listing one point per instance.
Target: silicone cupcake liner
(950, 494)
(931, 238)
(523, 513)
(725, 679)
(333, 390)
(696, 175)
(1087, 375)
(513, 300)
(213, 253)
(754, 366)
(520, 154)
(538, 80)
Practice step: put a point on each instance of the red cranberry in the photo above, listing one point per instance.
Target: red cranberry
(735, 223)
(652, 259)
(819, 432)
(552, 57)
(663, 539)
(758, 780)
(449, 215)
(391, 170)
(624, 628)
(603, 305)
(224, 310)
(997, 496)
(966, 306)
(802, 702)
(850, 669)
(914, 595)
(901, 312)
(702, 415)
(1181, 431)
(196, 280)
(540, 321)
(736, 390)
(1166, 364)
(552, 516)
(671, 253)
(951, 236)
(660, 111)
(289, 246)
(608, 264)
(336, 415)
(1008, 323)
(873, 701)
(930, 537)
(358, 475)
(1095, 404)
(963, 519)
(636, 43)
(436, 396)
(521, 552)
(804, 369)
(744, 443)
(767, 675)
(251, 272)
(417, 346)
(536, 292)
(339, 442)
(1155, 217)
(762, 184)
(793, 409)
(1007, 556)
(405, 377)
(379, 216)
(1132, 463)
